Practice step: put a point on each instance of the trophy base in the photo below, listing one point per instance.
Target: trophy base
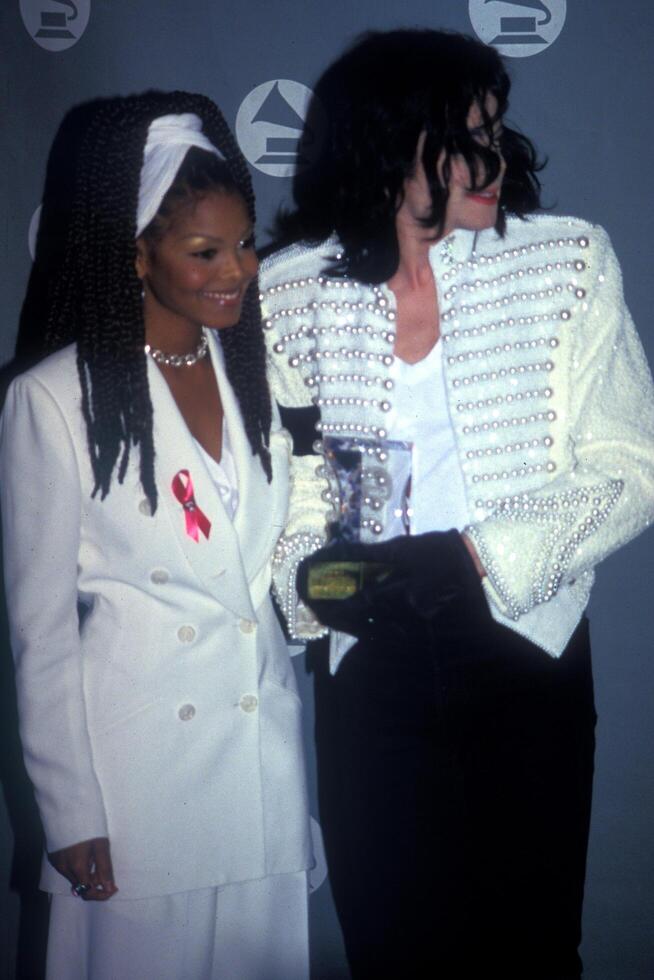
(343, 579)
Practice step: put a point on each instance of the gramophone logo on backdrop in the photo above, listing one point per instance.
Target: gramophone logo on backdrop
(518, 28)
(55, 24)
(270, 127)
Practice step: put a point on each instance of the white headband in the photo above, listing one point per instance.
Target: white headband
(169, 140)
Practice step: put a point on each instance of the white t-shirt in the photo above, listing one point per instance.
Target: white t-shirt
(420, 415)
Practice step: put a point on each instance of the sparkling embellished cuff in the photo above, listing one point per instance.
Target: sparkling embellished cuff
(290, 551)
(563, 521)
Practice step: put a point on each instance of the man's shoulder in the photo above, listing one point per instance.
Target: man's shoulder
(301, 260)
(549, 229)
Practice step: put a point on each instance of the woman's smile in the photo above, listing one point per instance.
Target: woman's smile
(224, 297)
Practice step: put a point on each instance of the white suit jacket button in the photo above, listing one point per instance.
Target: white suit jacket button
(186, 634)
(186, 712)
(247, 626)
(159, 576)
(145, 507)
(248, 703)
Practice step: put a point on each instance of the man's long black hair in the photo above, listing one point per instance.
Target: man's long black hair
(369, 109)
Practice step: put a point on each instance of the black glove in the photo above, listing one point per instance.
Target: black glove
(426, 575)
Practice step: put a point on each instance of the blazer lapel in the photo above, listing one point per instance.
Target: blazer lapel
(217, 560)
(253, 487)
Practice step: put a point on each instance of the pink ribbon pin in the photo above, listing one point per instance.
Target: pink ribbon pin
(196, 520)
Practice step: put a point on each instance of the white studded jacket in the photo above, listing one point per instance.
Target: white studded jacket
(550, 398)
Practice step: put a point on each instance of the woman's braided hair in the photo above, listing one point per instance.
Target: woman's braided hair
(96, 301)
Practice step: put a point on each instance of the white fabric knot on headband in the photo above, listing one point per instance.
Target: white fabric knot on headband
(169, 140)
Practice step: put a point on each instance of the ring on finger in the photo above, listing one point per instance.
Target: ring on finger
(80, 889)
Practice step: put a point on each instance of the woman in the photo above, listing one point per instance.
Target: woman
(145, 481)
(420, 304)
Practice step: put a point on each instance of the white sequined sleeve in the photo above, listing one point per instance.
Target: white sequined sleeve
(533, 542)
(309, 512)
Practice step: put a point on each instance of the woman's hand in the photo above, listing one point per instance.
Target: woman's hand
(87, 866)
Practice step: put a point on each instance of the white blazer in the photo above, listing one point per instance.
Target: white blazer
(165, 715)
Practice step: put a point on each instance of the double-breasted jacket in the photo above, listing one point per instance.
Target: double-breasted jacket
(164, 714)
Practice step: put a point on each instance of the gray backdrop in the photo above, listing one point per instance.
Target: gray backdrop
(583, 90)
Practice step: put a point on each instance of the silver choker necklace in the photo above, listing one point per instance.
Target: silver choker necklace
(179, 360)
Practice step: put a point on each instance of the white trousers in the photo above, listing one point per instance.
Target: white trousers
(257, 930)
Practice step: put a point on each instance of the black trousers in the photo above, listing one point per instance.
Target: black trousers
(455, 776)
